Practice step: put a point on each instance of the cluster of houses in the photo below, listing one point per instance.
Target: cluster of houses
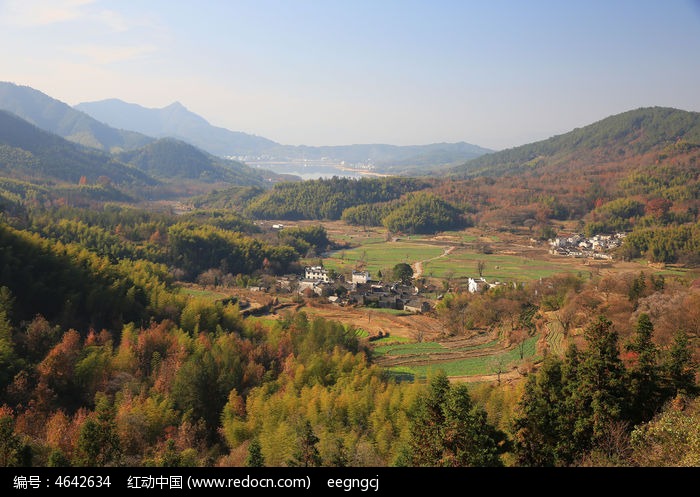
(360, 290)
(597, 247)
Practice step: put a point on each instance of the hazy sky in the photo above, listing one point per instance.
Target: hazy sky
(495, 73)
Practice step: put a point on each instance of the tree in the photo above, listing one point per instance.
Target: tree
(10, 445)
(480, 266)
(538, 423)
(403, 272)
(601, 392)
(448, 429)
(680, 367)
(498, 366)
(645, 387)
(255, 457)
(98, 442)
(339, 459)
(306, 454)
(427, 423)
(8, 358)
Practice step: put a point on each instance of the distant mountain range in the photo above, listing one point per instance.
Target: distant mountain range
(116, 126)
(612, 139)
(42, 139)
(178, 122)
(32, 154)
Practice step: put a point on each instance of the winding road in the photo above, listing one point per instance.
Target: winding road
(418, 266)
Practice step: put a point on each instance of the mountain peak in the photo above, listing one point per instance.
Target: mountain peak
(175, 106)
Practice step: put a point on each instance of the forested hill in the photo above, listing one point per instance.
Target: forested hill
(29, 153)
(168, 158)
(61, 119)
(615, 138)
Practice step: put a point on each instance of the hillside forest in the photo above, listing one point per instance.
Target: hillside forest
(127, 337)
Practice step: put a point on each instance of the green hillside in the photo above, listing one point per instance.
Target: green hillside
(614, 138)
(59, 118)
(168, 158)
(28, 153)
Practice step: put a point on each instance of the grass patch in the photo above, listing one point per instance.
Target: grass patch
(498, 267)
(391, 340)
(380, 256)
(400, 373)
(360, 333)
(472, 366)
(267, 322)
(486, 345)
(460, 236)
(410, 348)
(200, 292)
(383, 310)
(413, 348)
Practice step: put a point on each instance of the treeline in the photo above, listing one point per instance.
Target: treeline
(190, 245)
(583, 409)
(70, 285)
(229, 392)
(327, 198)
(669, 244)
(420, 212)
(194, 249)
(217, 390)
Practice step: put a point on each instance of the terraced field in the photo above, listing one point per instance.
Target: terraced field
(479, 355)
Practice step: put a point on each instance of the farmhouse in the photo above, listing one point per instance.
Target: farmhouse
(475, 285)
(316, 273)
(360, 277)
(417, 306)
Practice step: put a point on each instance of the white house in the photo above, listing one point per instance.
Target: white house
(360, 277)
(475, 285)
(317, 273)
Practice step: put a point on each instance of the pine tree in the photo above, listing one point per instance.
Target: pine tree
(538, 424)
(10, 445)
(340, 455)
(255, 457)
(427, 423)
(306, 455)
(645, 388)
(447, 429)
(680, 367)
(98, 442)
(601, 386)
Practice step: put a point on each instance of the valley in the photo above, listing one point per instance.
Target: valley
(162, 306)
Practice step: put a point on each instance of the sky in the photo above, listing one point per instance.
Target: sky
(496, 73)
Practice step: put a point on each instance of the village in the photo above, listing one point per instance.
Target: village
(362, 290)
(577, 245)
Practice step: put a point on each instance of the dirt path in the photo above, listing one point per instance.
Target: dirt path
(418, 266)
(508, 376)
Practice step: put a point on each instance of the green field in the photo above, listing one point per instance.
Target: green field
(380, 256)
(471, 366)
(416, 348)
(209, 294)
(359, 332)
(391, 340)
(498, 267)
(410, 349)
